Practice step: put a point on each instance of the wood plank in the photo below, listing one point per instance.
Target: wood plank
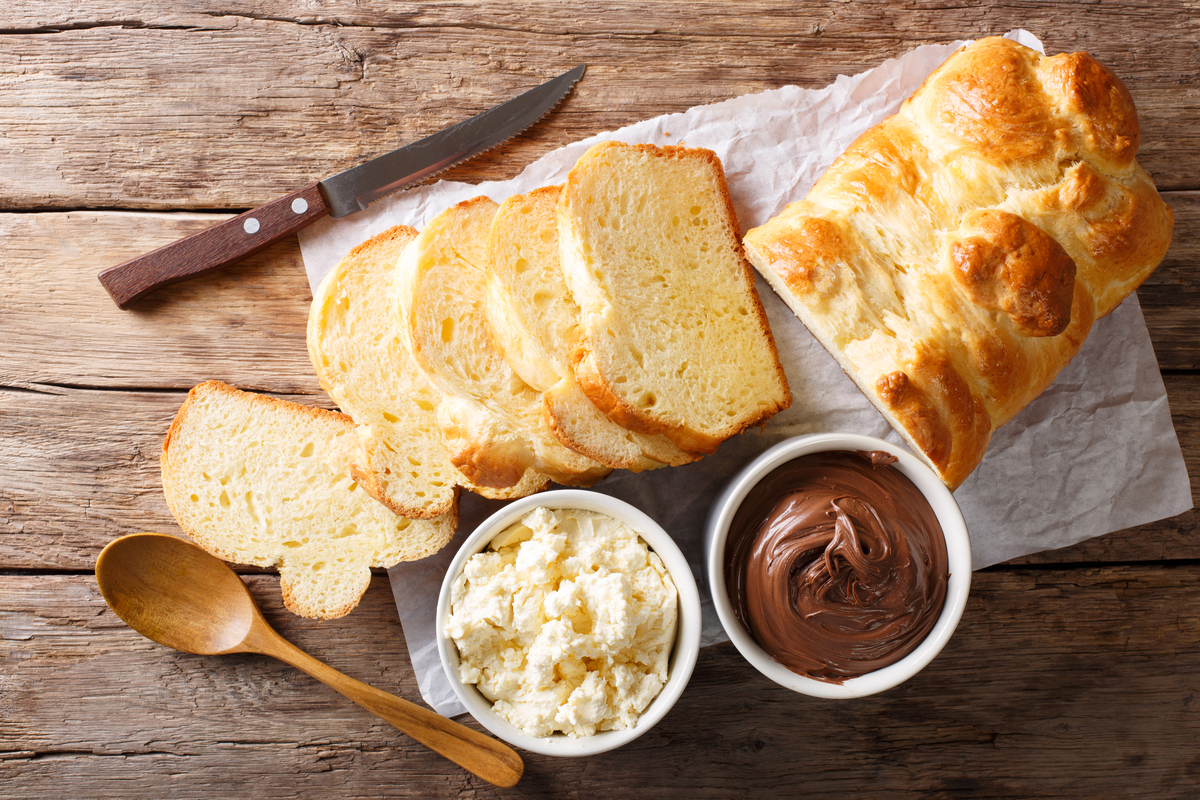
(924, 19)
(60, 327)
(81, 467)
(1170, 297)
(78, 468)
(203, 107)
(1077, 682)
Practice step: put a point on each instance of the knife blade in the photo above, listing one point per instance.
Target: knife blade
(345, 193)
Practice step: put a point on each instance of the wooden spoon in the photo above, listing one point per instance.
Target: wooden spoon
(176, 594)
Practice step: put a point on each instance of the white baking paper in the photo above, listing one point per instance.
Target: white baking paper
(1093, 454)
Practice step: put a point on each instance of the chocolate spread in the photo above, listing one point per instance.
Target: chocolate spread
(836, 564)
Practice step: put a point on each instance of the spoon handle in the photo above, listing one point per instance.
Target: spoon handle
(481, 755)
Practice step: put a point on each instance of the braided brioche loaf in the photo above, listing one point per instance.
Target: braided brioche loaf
(954, 258)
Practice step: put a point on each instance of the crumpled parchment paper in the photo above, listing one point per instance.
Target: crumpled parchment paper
(1095, 453)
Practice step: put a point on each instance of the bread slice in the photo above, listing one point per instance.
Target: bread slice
(257, 480)
(674, 339)
(495, 416)
(363, 366)
(534, 323)
(356, 351)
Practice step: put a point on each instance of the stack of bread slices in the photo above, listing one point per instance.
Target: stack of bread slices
(608, 323)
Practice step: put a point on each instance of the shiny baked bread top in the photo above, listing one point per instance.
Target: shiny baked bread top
(954, 258)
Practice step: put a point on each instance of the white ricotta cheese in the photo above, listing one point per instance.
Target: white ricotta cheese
(566, 623)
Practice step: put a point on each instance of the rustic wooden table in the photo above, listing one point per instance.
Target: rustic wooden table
(126, 124)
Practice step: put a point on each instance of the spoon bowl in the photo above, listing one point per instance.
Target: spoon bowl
(177, 594)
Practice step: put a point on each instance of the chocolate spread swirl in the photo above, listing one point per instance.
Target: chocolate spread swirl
(836, 564)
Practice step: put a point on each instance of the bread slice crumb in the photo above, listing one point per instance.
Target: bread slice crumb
(258, 480)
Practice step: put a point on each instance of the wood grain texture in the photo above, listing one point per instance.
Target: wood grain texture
(80, 467)
(1077, 682)
(1071, 674)
(60, 327)
(206, 105)
(1170, 297)
(174, 593)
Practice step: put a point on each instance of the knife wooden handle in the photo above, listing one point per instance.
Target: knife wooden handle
(219, 246)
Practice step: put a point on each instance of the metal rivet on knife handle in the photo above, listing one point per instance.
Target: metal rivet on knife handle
(344, 193)
(219, 246)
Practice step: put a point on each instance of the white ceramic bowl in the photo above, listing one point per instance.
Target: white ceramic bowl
(958, 550)
(687, 636)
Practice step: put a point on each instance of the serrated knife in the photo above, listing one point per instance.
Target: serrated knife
(345, 193)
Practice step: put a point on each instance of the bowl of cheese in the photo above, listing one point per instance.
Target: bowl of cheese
(568, 623)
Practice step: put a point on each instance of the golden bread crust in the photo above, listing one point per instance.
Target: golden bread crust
(1010, 265)
(327, 347)
(534, 322)
(324, 560)
(597, 182)
(954, 258)
(492, 421)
